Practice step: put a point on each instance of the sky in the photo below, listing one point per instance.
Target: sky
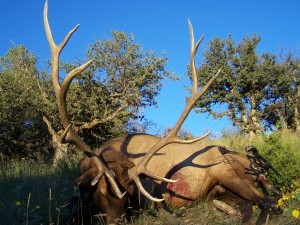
(158, 25)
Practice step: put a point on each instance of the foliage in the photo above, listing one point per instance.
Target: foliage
(126, 71)
(21, 105)
(35, 193)
(248, 86)
(123, 79)
(105, 101)
(291, 204)
(282, 106)
(182, 133)
(280, 148)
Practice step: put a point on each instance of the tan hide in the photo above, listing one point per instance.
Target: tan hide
(197, 168)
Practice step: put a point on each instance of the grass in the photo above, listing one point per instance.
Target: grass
(197, 213)
(33, 193)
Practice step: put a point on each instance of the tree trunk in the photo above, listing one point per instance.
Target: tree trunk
(60, 149)
(283, 125)
(254, 120)
(256, 127)
(296, 111)
(296, 119)
(250, 125)
(244, 123)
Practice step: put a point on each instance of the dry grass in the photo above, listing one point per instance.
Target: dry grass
(199, 213)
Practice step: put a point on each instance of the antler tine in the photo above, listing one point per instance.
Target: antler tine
(194, 49)
(140, 168)
(61, 91)
(64, 134)
(194, 139)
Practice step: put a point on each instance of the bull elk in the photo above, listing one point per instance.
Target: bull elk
(180, 171)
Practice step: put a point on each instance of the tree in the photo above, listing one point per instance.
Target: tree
(239, 93)
(22, 130)
(182, 133)
(282, 108)
(110, 93)
(104, 102)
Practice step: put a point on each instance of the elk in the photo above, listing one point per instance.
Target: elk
(180, 171)
(201, 172)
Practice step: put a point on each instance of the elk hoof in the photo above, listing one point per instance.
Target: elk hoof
(276, 210)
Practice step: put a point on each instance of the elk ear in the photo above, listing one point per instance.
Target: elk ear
(223, 150)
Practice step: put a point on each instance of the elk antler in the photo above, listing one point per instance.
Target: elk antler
(61, 93)
(140, 168)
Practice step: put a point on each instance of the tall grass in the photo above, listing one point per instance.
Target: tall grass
(281, 149)
(33, 193)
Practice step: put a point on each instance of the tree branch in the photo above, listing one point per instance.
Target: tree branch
(95, 122)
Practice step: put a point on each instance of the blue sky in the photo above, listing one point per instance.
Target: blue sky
(159, 25)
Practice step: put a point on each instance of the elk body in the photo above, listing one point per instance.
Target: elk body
(202, 172)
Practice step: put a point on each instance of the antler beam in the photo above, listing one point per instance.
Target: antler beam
(140, 168)
(61, 92)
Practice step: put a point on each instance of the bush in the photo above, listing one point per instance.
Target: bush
(280, 149)
(283, 150)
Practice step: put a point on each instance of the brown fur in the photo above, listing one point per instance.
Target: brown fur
(101, 198)
(199, 170)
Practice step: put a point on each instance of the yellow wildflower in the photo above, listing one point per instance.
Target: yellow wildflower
(280, 202)
(295, 184)
(295, 213)
(285, 197)
(17, 203)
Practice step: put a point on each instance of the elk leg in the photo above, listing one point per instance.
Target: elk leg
(264, 216)
(214, 192)
(245, 190)
(245, 206)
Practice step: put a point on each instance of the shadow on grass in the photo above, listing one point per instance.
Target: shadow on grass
(34, 193)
